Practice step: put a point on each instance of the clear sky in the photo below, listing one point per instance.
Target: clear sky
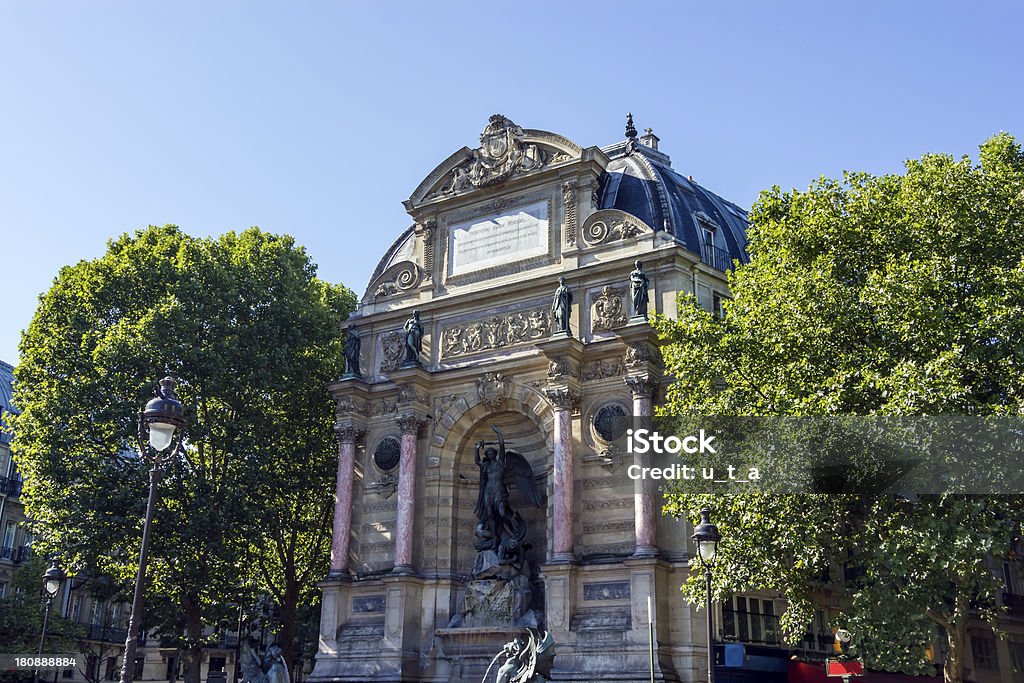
(318, 118)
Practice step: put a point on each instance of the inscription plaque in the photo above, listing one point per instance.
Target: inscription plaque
(501, 238)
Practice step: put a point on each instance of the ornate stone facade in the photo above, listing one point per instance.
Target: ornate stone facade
(495, 227)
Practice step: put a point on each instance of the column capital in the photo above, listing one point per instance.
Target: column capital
(641, 386)
(562, 398)
(348, 432)
(410, 423)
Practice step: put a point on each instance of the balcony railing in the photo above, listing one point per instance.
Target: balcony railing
(7, 552)
(24, 552)
(107, 634)
(13, 487)
(716, 258)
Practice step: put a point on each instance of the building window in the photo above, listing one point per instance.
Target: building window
(140, 666)
(68, 674)
(10, 531)
(216, 664)
(1017, 659)
(750, 620)
(3, 589)
(111, 668)
(984, 650)
(1008, 578)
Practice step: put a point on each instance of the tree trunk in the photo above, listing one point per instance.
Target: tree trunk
(288, 610)
(956, 639)
(193, 634)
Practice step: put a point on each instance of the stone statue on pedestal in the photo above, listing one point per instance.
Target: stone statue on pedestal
(638, 285)
(561, 307)
(352, 347)
(413, 339)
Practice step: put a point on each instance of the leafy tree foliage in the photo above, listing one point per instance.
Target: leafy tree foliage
(873, 295)
(252, 336)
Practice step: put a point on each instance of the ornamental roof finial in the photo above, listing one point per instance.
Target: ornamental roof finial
(630, 130)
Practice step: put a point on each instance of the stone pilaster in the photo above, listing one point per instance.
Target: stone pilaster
(410, 424)
(563, 400)
(348, 434)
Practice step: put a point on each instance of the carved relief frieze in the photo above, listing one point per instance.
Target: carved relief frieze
(609, 311)
(611, 225)
(602, 369)
(443, 403)
(392, 346)
(561, 367)
(347, 405)
(494, 332)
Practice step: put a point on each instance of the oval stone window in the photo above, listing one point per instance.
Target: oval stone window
(386, 454)
(610, 422)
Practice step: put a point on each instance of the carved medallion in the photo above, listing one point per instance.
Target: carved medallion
(501, 154)
(393, 348)
(609, 311)
(490, 389)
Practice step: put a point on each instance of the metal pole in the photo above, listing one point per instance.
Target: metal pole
(650, 626)
(711, 642)
(128, 668)
(42, 638)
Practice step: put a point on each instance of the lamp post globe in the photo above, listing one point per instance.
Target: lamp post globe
(52, 579)
(706, 537)
(163, 415)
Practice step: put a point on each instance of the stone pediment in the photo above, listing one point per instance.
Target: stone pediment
(506, 151)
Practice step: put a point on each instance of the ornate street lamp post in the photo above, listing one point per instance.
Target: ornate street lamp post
(52, 579)
(706, 538)
(163, 419)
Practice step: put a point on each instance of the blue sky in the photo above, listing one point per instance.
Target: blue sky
(318, 118)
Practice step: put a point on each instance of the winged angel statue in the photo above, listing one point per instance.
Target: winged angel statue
(271, 668)
(526, 661)
(501, 528)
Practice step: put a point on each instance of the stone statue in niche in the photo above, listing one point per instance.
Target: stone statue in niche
(500, 592)
(499, 467)
(638, 285)
(413, 339)
(561, 307)
(352, 347)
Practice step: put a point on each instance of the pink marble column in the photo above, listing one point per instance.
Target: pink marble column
(646, 516)
(410, 426)
(564, 475)
(341, 537)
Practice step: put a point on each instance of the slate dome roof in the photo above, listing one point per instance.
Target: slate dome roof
(644, 184)
(6, 394)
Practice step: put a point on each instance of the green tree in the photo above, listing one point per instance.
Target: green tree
(252, 336)
(892, 295)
